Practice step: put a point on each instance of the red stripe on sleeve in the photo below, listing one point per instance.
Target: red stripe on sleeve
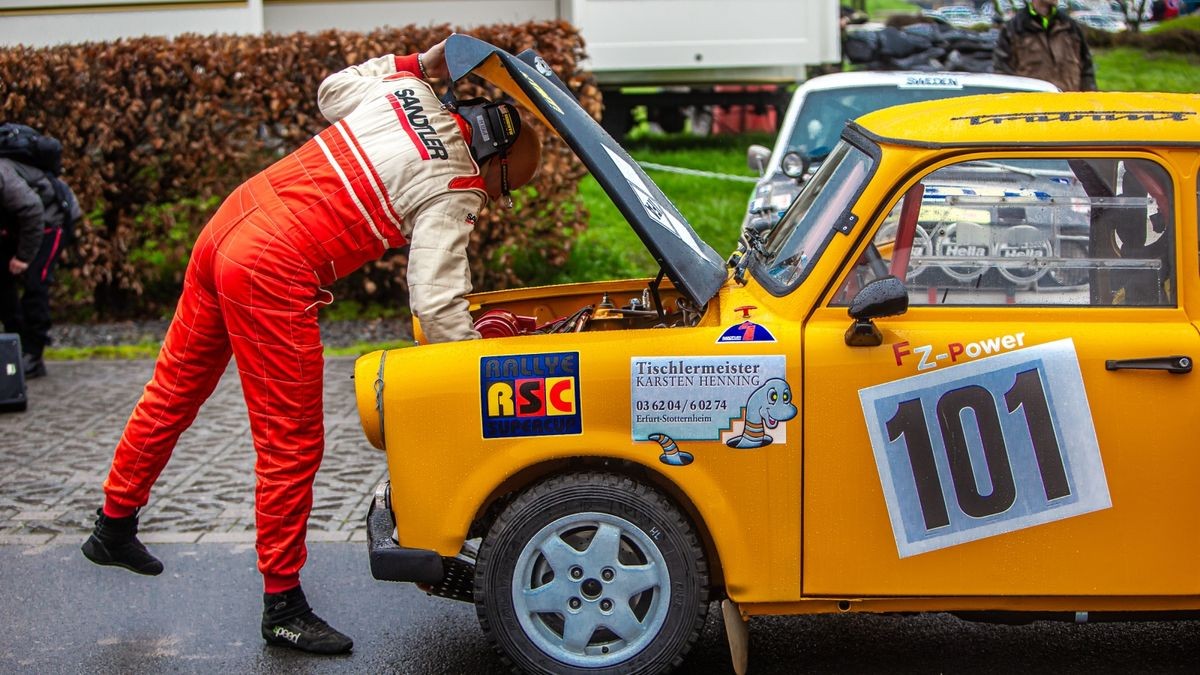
(407, 127)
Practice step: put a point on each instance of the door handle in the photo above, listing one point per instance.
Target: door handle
(1176, 365)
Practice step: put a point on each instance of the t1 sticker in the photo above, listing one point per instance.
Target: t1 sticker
(746, 331)
(985, 448)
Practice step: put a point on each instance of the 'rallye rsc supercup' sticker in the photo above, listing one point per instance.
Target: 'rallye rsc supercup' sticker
(742, 401)
(530, 395)
(985, 448)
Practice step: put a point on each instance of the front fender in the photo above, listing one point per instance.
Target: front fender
(427, 412)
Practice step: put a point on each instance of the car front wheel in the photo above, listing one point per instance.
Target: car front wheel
(595, 573)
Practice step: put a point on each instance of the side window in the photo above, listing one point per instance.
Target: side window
(1042, 232)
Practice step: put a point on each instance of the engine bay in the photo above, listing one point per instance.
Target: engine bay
(610, 306)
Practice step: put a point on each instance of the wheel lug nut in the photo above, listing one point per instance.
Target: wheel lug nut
(576, 573)
(607, 574)
(606, 605)
(574, 603)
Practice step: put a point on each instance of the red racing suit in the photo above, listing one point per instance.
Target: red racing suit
(394, 168)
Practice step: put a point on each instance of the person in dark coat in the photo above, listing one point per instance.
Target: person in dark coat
(36, 208)
(1041, 42)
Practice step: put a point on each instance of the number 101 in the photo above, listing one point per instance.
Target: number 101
(1028, 394)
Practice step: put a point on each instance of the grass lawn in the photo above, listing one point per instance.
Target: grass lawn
(1189, 22)
(1127, 69)
(609, 249)
(876, 7)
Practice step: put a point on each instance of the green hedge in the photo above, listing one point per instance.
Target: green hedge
(156, 132)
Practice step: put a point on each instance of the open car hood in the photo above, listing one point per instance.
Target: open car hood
(692, 265)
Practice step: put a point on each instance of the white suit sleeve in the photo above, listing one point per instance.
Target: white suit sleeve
(439, 274)
(342, 92)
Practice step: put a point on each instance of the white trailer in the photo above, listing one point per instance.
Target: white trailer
(685, 49)
(666, 54)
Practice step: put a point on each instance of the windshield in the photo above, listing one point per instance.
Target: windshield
(802, 233)
(824, 114)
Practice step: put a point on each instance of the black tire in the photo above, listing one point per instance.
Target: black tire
(656, 545)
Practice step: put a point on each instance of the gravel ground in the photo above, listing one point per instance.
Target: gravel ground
(333, 333)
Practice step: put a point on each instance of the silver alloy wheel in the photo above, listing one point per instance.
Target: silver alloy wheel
(591, 590)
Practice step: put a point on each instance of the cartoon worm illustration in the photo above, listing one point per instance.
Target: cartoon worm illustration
(671, 453)
(769, 405)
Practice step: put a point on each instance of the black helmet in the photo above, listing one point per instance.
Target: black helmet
(496, 130)
(494, 125)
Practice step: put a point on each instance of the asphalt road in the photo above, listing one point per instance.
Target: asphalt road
(64, 615)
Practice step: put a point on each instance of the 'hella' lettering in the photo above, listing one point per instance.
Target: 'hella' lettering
(420, 124)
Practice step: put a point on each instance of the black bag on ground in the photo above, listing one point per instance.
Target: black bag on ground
(968, 63)
(926, 61)
(896, 44)
(12, 374)
(24, 144)
(860, 45)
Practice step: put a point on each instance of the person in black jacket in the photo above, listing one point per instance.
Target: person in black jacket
(36, 208)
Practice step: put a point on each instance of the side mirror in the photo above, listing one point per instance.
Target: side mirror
(757, 158)
(795, 164)
(885, 296)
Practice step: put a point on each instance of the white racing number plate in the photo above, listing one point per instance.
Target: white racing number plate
(985, 448)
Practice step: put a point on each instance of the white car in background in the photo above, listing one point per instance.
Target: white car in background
(820, 109)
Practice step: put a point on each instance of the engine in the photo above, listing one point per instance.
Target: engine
(537, 317)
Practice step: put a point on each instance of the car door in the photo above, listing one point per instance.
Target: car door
(1027, 426)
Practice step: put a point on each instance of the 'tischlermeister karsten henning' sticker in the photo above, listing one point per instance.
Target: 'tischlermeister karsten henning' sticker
(742, 401)
(985, 448)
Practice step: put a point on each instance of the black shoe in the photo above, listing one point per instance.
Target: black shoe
(288, 621)
(33, 365)
(114, 542)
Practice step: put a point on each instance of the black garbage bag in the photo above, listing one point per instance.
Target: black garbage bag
(934, 33)
(922, 47)
(860, 46)
(967, 41)
(895, 43)
(969, 62)
(925, 61)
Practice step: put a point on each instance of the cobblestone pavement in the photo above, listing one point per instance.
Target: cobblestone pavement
(54, 457)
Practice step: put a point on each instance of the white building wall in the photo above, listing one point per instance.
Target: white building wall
(40, 23)
(49, 22)
(289, 16)
(629, 41)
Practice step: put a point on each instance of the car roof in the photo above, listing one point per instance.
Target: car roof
(1024, 119)
(918, 79)
(908, 79)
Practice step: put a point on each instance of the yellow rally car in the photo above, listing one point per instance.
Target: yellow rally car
(955, 376)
